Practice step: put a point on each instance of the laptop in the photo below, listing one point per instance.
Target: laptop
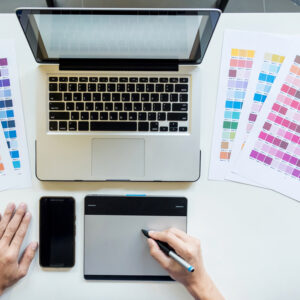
(118, 92)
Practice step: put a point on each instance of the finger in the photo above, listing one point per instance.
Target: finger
(26, 259)
(6, 217)
(20, 234)
(14, 223)
(180, 234)
(157, 254)
(170, 238)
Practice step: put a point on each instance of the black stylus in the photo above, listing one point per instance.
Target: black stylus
(169, 251)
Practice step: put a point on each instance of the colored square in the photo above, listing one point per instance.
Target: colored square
(293, 160)
(270, 78)
(268, 160)
(10, 113)
(288, 135)
(285, 88)
(286, 157)
(267, 126)
(267, 88)
(279, 154)
(265, 148)
(234, 52)
(270, 138)
(296, 173)
(292, 91)
(297, 59)
(226, 124)
(262, 135)
(261, 157)
(226, 135)
(294, 104)
(249, 64)
(252, 117)
(3, 62)
(278, 120)
(275, 58)
(237, 105)
(12, 134)
(241, 63)
(253, 154)
(273, 151)
(14, 154)
(228, 114)
(287, 101)
(298, 129)
(285, 123)
(282, 110)
(281, 132)
(1, 167)
(283, 145)
(224, 145)
(229, 104)
(7, 93)
(232, 135)
(297, 95)
(276, 142)
(235, 115)
(276, 107)
(232, 73)
(233, 63)
(224, 155)
(268, 56)
(295, 139)
(231, 83)
(17, 164)
(289, 170)
(262, 77)
(251, 53)
(239, 84)
(242, 52)
(234, 125)
(281, 59)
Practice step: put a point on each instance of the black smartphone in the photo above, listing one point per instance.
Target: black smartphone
(57, 232)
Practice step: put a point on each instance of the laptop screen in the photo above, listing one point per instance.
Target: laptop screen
(121, 34)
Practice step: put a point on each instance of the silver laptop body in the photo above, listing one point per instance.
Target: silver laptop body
(95, 58)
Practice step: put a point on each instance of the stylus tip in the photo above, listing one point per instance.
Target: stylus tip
(145, 232)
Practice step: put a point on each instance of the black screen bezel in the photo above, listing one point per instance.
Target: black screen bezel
(44, 202)
(23, 13)
(133, 206)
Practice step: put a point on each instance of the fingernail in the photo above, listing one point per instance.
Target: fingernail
(28, 215)
(11, 206)
(22, 206)
(151, 231)
(34, 245)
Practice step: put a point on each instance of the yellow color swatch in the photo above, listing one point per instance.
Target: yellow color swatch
(234, 52)
(251, 53)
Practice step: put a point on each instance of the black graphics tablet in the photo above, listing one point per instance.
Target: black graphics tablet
(114, 246)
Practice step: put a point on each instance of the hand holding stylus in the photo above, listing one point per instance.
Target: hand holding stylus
(198, 283)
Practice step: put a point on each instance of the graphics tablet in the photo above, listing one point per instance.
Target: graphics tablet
(114, 246)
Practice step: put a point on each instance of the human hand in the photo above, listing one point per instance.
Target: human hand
(13, 227)
(197, 283)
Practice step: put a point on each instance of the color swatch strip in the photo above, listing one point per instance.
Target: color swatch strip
(278, 144)
(240, 66)
(7, 115)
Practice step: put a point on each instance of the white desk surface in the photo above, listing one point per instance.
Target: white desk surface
(250, 236)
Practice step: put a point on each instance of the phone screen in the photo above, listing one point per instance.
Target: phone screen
(57, 232)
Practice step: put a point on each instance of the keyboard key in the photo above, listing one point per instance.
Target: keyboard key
(166, 107)
(159, 88)
(125, 97)
(133, 79)
(143, 79)
(140, 87)
(93, 79)
(74, 115)
(154, 97)
(164, 97)
(83, 79)
(115, 97)
(59, 115)
(101, 87)
(173, 79)
(92, 87)
(151, 116)
(179, 107)
(154, 126)
(156, 106)
(70, 106)
(53, 79)
(79, 106)
(73, 79)
(87, 97)
(173, 124)
(63, 125)
(172, 129)
(144, 97)
(55, 96)
(130, 87)
(177, 116)
(118, 106)
(153, 79)
(113, 126)
(81, 87)
(149, 88)
(67, 97)
(84, 116)
(103, 79)
(89, 106)
(77, 96)
(113, 116)
(163, 128)
(183, 129)
(52, 87)
(103, 116)
(123, 116)
(108, 106)
(106, 97)
(183, 97)
(184, 79)
(163, 79)
(142, 116)
(96, 96)
(169, 88)
(174, 97)
(63, 79)
(132, 116)
(127, 106)
(72, 87)
(123, 79)
(135, 97)
(98, 106)
(111, 87)
(53, 125)
(72, 126)
(113, 79)
(56, 106)
(147, 106)
(181, 88)
(143, 126)
(161, 116)
(137, 106)
(63, 87)
(121, 87)
(83, 126)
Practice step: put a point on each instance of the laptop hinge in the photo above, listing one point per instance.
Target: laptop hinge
(118, 64)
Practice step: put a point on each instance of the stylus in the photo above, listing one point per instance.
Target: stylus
(170, 252)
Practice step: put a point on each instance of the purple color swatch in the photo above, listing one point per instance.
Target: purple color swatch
(3, 62)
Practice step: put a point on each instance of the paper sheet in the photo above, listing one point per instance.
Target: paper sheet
(271, 156)
(270, 59)
(11, 116)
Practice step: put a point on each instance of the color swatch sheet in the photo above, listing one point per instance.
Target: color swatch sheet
(11, 117)
(271, 156)
(262, 79)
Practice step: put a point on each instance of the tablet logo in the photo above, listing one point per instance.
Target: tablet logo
(179, 206)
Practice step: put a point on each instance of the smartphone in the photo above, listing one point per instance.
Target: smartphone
(57, 232)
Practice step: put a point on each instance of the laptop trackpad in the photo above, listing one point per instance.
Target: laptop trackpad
(118, 158)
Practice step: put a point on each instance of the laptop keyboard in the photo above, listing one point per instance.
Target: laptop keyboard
(141, 104)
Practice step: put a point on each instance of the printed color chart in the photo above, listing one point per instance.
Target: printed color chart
(241, 62)
(7, 115)
(278, 144)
